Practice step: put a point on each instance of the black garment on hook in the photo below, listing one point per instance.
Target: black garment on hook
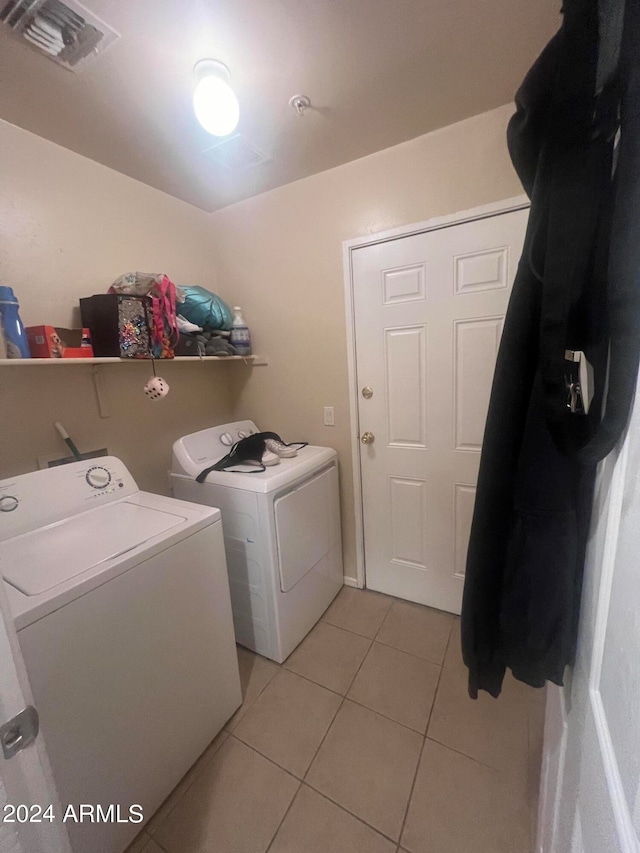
(577, 288)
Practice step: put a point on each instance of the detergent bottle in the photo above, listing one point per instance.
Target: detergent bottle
(240, 337)
(14, 336)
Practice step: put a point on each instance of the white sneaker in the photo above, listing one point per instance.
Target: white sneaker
(269, 458)
(186, 326)
(280, 449)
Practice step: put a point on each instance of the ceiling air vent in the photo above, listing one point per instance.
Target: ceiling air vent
(235, 153)
(66, 32)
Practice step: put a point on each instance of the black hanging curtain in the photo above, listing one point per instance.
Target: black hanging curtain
(575, 143)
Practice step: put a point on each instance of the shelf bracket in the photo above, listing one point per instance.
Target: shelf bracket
(102, 391)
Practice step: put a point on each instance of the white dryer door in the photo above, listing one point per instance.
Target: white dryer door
(307, 524)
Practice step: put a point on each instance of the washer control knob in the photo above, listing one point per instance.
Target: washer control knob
(227, 439)
(243, 434)
(8, 503)
(98, 477)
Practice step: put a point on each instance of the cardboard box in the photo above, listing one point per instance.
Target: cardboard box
(54, 342)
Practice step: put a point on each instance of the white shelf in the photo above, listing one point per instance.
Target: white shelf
(254, 360)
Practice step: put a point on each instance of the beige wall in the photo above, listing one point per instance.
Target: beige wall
(280, 253)
(68, 227)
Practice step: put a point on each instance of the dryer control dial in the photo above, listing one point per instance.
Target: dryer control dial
(98, 477)
(227, 439)
(8, 503)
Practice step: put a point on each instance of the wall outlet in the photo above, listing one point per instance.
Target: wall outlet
(329, 416)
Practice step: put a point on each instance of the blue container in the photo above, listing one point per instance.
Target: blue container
(16, 340)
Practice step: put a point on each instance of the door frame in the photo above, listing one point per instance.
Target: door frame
(484, 211)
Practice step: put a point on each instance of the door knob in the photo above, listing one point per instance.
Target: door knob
(367, 392)
(367, 438)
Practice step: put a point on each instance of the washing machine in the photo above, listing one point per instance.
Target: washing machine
(282, 534)
(121, 603)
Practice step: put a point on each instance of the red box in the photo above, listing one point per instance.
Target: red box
(54, 342)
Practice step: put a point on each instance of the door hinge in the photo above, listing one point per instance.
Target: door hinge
(19, 732)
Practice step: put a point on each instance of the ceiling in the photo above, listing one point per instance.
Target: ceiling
(378, 72)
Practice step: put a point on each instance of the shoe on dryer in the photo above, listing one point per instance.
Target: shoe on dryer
(269, 457)
(278, 447)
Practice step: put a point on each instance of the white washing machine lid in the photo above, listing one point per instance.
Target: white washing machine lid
(39, 560)
(64, 531)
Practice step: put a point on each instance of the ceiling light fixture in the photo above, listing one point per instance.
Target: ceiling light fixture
(214, 101)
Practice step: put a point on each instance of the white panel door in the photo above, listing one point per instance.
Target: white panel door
(429, 310)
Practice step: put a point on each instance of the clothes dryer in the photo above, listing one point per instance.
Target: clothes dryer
(282, 534)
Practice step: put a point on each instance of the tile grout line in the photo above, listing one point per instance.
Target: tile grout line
(424, 742)
(496, 770)
(384, 716)
(344, 699)
(350, 813)
(254, 700)
(397, 841)
(337, 693)
(504, 775)
(316, 683)
(386, 616)
(284, 770)
(304, 780)
(326, 621)
(435, 693)
(375, 639)
(284, 817)
(153, 840)
(351, 699)
(187, 787)
(266, 758)
(315, 754)
(405, 652)
(342, 628)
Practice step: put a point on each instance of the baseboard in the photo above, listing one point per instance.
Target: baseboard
(350, 582)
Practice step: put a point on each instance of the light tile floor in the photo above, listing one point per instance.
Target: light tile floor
(363, 741)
